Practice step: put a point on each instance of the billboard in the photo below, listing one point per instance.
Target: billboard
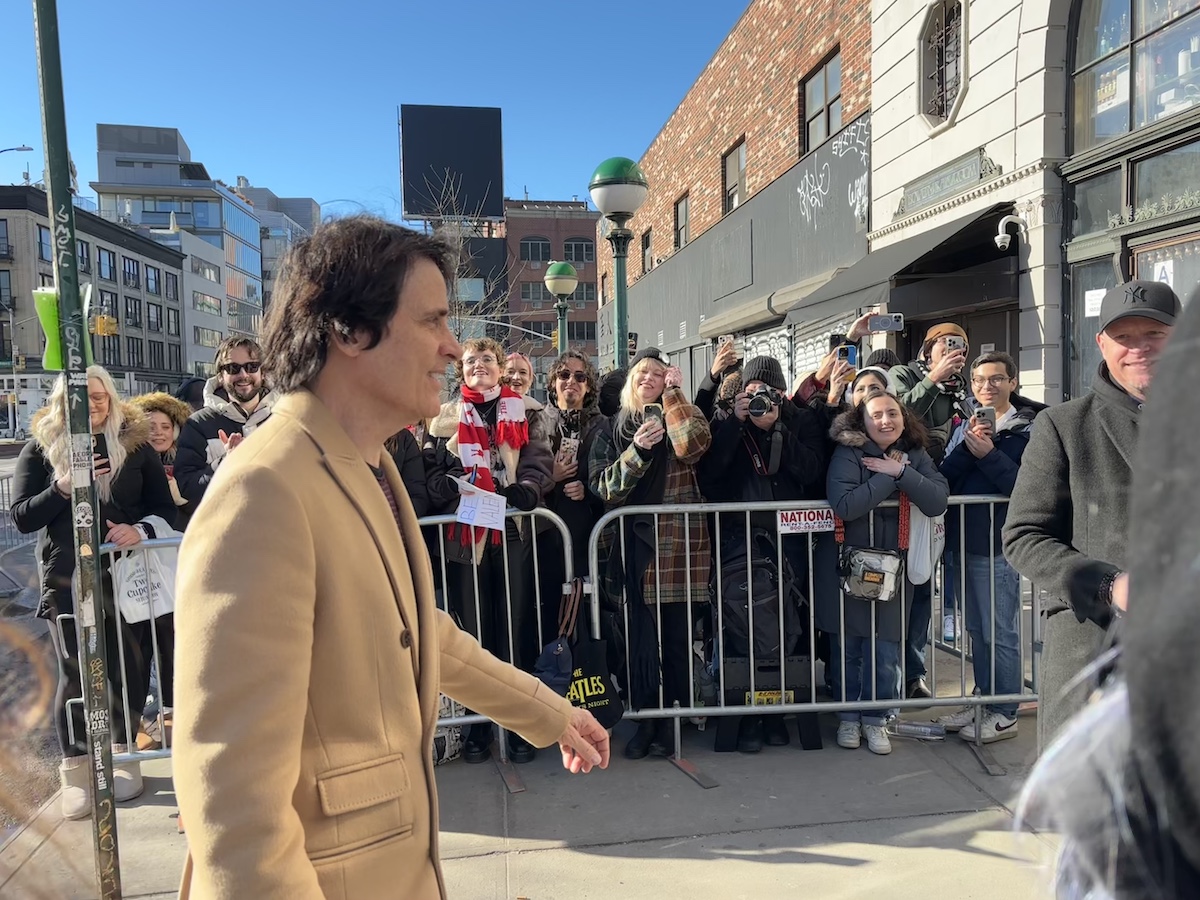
(451, 162)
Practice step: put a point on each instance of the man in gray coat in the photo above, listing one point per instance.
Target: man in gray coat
(1066, 527)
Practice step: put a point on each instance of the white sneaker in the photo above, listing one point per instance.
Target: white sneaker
(956, 721)
(877, 739)
(75, 775)
(127, 777)
(849, 735)
(995, 728)
(950, 632)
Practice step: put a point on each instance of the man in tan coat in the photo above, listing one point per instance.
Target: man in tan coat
(310, 652)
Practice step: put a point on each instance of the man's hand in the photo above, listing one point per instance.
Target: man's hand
(584, 744)
(951, 364)
(564, 469)
(122, 535)
(229, 440)
(673, 377)
(1120, 591)
(574, 490)
(859, 329)
(978, 439)
(741, 406)
(725, 360)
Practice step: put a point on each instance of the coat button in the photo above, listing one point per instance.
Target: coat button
(406, 639)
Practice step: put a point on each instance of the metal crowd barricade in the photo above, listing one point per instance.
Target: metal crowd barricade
(787, 683)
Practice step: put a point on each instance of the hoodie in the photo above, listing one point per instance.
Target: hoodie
(200, 450)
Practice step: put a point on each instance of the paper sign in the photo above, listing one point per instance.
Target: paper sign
(1091, 303)
(478, 507)
(987, 348)
(1165, 272)
(805, 521)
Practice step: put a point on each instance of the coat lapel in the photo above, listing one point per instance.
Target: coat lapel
(1121, 428)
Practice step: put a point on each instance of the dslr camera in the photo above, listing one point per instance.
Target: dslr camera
(763, 399)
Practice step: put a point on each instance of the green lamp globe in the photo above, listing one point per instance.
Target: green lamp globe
(561, 279)
(618, 187)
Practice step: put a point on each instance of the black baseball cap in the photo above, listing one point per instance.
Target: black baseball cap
(1148, 299)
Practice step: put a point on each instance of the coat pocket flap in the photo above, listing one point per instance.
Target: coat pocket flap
(362, 785)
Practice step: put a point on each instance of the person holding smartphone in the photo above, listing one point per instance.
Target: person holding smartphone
(983, 457)
(651, 460)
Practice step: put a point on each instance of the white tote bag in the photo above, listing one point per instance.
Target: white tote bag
(144, 578)
(926, 541)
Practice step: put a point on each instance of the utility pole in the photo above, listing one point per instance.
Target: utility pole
(87, 590)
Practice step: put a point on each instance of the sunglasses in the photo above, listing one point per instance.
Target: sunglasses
(237, 368)
(577, 377)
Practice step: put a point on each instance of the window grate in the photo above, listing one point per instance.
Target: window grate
(945, 46)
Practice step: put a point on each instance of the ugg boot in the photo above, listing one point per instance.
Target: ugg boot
(74, 775)
(127, 777)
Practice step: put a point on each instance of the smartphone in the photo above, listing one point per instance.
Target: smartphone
(954, 342)
(889, 322)
(835, 341)
(725, 339)
(652, 410)
(170, 470)
(987, 414)
(849, 353)
(568, 450)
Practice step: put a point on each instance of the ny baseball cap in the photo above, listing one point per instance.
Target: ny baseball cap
(1148, 299)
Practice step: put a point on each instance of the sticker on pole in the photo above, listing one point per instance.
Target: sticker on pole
(805, 521)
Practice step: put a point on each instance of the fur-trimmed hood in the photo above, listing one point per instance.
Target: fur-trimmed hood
(215, 397)
(174, 409)
(845, 432)
(48, 430)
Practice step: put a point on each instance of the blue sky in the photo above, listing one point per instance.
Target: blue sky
(301, 96)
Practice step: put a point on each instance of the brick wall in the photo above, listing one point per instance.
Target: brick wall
(750, 88)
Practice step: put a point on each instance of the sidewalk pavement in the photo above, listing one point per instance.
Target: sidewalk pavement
(926, 822)
(18, 579)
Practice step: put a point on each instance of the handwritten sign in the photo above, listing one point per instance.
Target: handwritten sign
(805, 521)
(478, 507)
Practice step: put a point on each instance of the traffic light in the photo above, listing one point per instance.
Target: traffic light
(554, 337)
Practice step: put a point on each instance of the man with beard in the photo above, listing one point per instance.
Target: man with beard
(235, 403)
(1067, 526)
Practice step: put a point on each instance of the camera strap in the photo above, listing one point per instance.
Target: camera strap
(775, 438)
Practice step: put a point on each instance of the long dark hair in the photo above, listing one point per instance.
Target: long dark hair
(914, 436)
(593, 390)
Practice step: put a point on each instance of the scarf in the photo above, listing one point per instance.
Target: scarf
(475, 442)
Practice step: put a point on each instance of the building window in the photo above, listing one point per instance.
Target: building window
(585, 292)
(821, 97)
(130, 272)
(133, 312)
(206, 303)
(579, 250)
(171, 286)
(152, 280)
(536, 292)
(205, 269)
(107, 263)
(1134, 64)
(581, 331)
(5, 246)
(153, 317)
(6, 297)
(681, 222)
(158, 359)
(110, 350)
(535, 249)
(172, 323)
(133, 351)
(647, 256)
(733, 177)
(941, 76)
(44, 280)
(45, 245)
(206, 337)
(175, 357)
(108, 304)
(83, 256)
(604, 289)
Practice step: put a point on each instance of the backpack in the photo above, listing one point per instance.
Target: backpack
(760, 581)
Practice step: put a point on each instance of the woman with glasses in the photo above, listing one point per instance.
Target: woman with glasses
(495, 439)
(236, 401)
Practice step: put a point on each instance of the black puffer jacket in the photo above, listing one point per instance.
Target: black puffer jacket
(139, 490)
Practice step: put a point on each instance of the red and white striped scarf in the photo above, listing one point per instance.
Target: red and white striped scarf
(475, 447)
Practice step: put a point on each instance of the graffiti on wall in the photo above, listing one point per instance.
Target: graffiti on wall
(821, 179)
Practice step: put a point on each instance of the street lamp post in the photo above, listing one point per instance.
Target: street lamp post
(561, 280)
(24, 148)
(618, 187)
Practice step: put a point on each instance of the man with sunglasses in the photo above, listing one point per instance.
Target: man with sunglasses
(236, 401)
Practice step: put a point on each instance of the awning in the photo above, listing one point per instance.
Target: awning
(869, 281)
(764, 310)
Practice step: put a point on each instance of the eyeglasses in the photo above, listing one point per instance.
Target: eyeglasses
(481, 360)
(577, 377)
(994, 381)
(237, 368)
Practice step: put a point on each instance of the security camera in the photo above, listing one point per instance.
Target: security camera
(1003, 238)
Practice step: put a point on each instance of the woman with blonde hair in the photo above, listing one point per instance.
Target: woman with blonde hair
(132, 487)
(649, 457)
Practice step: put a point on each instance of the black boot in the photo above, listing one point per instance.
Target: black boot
(520, 751)
(664, 738)
(639, 745)
(478, 747)
(776, 731)
(750, 735)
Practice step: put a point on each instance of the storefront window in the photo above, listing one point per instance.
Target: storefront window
(1089, 282)
(1168, 175)
(1161, 38)
(1176, 263)
(1095, 200)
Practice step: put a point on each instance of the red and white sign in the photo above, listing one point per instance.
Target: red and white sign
(805, 521)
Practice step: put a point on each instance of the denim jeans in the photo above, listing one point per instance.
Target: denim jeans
(859, 670)
(919, 614)
(1007, 620)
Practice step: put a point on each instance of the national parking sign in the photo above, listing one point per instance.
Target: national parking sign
(805, 521)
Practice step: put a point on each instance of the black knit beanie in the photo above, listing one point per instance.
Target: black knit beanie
(765, 369)
(609, 393)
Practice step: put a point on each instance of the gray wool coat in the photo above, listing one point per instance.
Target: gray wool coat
(1067, 528)
(854, 492)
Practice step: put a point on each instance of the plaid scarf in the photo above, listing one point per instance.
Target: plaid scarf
(475, 445)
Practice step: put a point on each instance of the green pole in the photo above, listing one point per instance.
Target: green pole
(620, 236)
(561, 308)
(87, 589)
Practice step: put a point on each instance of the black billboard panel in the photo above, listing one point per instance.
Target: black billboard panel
(452, 163)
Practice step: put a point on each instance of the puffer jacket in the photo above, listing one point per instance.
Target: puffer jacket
(138, 490)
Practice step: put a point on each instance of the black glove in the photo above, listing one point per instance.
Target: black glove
(522, 497)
